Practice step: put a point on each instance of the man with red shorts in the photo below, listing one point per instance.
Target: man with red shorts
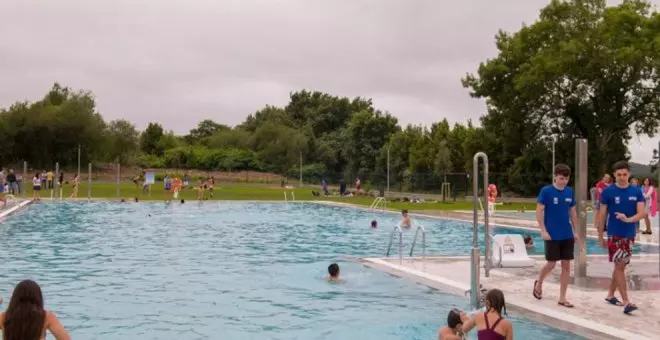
(622, 205)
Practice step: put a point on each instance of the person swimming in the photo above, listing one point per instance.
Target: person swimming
(529, 242)
(406, 222)
(374, 224)
(454, 328)
(333, 273)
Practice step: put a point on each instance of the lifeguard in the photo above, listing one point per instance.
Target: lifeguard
(176, 186)
(492, 196)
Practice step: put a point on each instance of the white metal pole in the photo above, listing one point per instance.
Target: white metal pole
(78, 161)
(552, 171)
(388, 171)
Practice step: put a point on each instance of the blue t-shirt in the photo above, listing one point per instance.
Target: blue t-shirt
(621, 200)
(557, 211)
(168, 182)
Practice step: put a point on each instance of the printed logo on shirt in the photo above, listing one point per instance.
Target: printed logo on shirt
(568, 200)
(617, 200)
(555, 200)
(632, 198)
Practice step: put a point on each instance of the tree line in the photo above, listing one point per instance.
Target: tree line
(582, 70)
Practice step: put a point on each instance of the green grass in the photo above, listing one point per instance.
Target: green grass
(252, 192)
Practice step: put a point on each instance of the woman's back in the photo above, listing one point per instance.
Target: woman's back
(491, 326)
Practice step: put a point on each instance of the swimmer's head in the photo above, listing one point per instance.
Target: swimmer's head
(454, 319)
(528, 239)
(137, 200)
(333, 270)
(374, 224)
(404, 212)
(123, 200)
(495, 301)
(183, 201)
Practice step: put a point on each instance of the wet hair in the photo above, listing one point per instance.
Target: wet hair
(454, 318)
(621, 165)
(562, 170)
(404, 211)
(528, 239)
(183, 201)
(495, 301)
(374, 224)
(333, 269)
(25, 317)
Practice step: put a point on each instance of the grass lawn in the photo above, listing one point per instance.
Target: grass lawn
(252, 192)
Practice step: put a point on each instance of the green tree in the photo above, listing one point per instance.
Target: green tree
(150, 139)
(364, 137)
(204, 130)
(582, 70)
(123, 140)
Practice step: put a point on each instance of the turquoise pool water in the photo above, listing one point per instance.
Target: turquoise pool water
(531, 215)
(225, 271)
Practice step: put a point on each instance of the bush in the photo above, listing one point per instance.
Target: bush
(311, 173)
(202, 158)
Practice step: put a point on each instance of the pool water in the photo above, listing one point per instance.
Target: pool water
(226, 271)
(531, 215)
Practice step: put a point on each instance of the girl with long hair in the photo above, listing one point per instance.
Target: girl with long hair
(26, 318)
(490, 324)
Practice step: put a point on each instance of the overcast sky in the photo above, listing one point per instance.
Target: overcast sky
(180, 61)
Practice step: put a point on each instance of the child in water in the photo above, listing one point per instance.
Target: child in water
(374, 224)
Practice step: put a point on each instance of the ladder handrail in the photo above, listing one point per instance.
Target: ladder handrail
(499, 263)
(412, 247)
(389, 247)
(377, 200)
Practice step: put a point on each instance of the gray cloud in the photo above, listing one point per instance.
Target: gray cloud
(178, 62)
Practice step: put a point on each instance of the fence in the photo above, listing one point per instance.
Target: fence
(111, 178)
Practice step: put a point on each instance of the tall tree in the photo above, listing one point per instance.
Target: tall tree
(122, 138)
(150, 139)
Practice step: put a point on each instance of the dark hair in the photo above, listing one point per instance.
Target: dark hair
(495, 300)
(454, 318)
(562, 170)
(621, 165)
(374, 223)
(333, 269)
(404, 211)
(649, 179)
(527, 239)
(25, 316)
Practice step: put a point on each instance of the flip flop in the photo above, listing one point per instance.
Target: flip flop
(613, 300)
(537, 293)
(630, 308)
(565, 304)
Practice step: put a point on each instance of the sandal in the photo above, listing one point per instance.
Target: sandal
(565, 304)
(630, 308)
(537, 293)
(613, 300)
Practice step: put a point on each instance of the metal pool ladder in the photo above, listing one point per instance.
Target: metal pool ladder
(380, 201)
(293, 196)
(389, 247)
(412, 247)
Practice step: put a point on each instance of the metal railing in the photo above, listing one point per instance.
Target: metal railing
(412, 247)
(293, 196)
(501, 251)
(378, 202)
(389, 247)
(475, 283)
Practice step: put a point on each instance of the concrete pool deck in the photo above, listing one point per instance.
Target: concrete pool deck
(21, 204)
(592, 317)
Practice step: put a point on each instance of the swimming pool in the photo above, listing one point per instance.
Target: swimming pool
(225, 271)
(531, 215)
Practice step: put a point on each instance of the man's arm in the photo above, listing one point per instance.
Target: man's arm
(540, 210)
(602, 215)
(574, 219)
(641, 213)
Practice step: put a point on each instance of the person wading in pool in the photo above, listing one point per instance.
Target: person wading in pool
(622, 205)
(490, 324)
(557, 216)
(333, 273)
(454, 328)
(26, 318)
(405, 219)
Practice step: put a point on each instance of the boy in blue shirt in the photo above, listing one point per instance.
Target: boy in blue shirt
(557, 216)
(623, 206)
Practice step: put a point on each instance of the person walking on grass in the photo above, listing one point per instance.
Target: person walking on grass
(622, 205)
(557, 216)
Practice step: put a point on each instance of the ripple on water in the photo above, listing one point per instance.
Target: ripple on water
(225, 270)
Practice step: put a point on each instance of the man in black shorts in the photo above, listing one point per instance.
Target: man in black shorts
(557, 216)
